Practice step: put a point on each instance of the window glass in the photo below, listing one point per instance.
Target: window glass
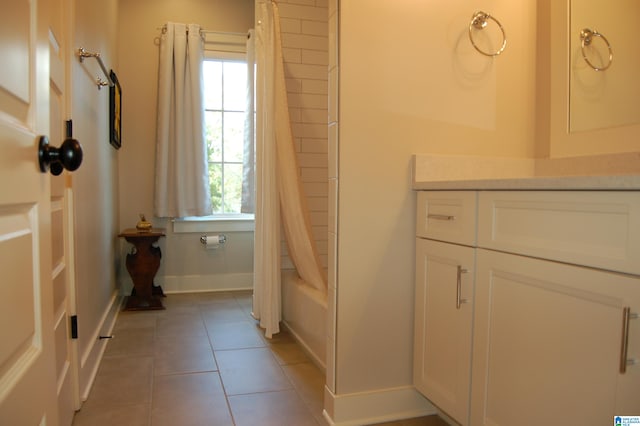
(213, 135)
(233, 136)
(215, 184)
(235, 83)
(212, 71)
(232, 187)
(225, 99)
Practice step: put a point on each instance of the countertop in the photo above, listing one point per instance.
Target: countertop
(617, 172)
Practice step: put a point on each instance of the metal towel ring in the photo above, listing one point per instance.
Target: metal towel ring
(479, 22)
(586, 37)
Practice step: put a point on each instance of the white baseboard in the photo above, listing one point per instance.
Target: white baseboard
(375, 407)
(91, 358)
(198, 283)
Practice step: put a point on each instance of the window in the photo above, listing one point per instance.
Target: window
(225, 100)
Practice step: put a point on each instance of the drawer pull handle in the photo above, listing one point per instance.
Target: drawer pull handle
(626, 317)
(459, 299)
(440, 217)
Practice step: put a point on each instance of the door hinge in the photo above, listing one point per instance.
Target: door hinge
(74, 326)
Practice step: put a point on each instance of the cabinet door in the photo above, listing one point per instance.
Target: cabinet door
(443, 320)
(547, 343)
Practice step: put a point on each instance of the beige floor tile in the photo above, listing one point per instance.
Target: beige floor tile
(194, 413)
(288, 353)
(178, 310)
(271, 409)
(134, 415)
(175, 300)
(133, 341)
(250, 370)
(245, 300)
(222, 311)
(188, 364)
(182, 308)
(122, 381)
(426, 421)
(183, 354)
(134, 320)
(182, 387)
(206, 298)
(189, 399)
(308, 381)
(181, 324)
(234, 335)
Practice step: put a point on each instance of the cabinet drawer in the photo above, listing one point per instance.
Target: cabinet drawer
(597, 229)
(447, 216)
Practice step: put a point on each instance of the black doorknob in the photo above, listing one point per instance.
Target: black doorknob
(68, 156)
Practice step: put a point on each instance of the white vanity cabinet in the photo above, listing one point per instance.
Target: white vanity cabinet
(551, 331)
(445, 264)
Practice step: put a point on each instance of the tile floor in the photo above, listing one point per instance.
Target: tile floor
(204, 361)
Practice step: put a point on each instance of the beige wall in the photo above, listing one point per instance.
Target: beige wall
(112, 186)
(95, 183)
(410, 82)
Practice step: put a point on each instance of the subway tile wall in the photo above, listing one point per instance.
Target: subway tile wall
(305, 44)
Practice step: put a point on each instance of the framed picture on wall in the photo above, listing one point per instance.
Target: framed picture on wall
(115, 112)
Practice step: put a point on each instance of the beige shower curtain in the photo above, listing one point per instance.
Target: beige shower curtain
(279, 193)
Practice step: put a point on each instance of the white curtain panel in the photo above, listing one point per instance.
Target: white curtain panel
(182, 180)
(248, 203)
(279, 193)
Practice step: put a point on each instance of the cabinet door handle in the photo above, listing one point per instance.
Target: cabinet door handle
(440, 217)
(626, 317)
(459, 299)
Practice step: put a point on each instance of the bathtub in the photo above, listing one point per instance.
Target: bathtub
(304, 314)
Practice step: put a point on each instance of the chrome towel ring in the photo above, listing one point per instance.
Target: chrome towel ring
(586, 37)
(479, 22)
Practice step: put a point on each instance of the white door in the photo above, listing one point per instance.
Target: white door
(62, 217)
(27, 359)
(443, 325)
